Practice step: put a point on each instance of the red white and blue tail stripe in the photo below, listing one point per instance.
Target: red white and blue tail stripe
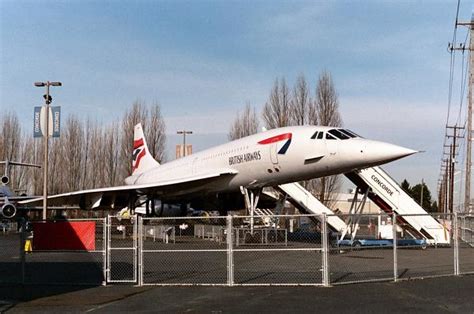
(283, 142)
(141, 158)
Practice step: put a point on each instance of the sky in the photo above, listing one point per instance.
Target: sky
(202, 61)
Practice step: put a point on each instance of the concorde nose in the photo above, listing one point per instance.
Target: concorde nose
(378, 153)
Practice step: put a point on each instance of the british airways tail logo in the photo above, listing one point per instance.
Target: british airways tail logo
(283, 140)
(138, 153)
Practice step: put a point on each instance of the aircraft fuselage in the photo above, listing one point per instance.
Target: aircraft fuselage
(278, 156)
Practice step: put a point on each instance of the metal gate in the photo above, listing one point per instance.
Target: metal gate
(122, 249)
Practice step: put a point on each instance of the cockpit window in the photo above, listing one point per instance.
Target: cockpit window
(347, 132)
(356, 135)
(330, 137)
(320, 135)
(314, 135)
(338, 134)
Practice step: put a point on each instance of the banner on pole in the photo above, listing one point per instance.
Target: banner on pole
(39, 126)
(37, 122)
(54, 130)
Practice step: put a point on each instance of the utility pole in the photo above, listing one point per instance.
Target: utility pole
(448, 158)
(452, 164)
(442, 194)
(451, 176)
(48, 99)
(468, 165)
(184, 132)
(446, 190)
(467, 192)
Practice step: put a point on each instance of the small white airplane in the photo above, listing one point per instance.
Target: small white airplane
(216, 178)
(7, 197)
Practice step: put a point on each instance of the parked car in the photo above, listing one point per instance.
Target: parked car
(360, 243)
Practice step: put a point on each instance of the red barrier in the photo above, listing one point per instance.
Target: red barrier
(64, 235)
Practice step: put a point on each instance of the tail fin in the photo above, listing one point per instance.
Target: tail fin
(142, 159)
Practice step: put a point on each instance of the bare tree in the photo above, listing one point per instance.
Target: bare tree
(244, 124)
(73, 140)
(327, 113)
(276, 112)
(86, 156)
(10, 136)
(95, 174)
(55, 172)
(22, 175)
(301, 102)
(155, 133)
(37, 176)
(111, 158)
(327, 102)
(13, 148)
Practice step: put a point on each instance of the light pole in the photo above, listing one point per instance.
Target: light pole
(184, 132)
(48, 99)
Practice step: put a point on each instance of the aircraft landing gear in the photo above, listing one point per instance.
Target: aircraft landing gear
(251, 197)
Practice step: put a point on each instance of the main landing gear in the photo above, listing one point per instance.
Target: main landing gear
(251, 197)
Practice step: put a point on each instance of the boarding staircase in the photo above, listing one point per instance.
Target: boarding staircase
(267, 216)
(306, 202)
(390, 197)
(384, 191)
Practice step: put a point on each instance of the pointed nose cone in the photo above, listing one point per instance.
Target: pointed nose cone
(377, 153)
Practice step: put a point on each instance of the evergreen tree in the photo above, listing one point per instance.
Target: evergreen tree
(406, 186)
(416, 195)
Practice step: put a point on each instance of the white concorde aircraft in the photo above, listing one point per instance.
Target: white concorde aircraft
(217, 177)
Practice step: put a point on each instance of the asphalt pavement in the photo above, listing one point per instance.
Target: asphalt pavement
(434, 295)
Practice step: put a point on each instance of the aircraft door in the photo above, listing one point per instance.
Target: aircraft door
(274, 153)
(331, 144)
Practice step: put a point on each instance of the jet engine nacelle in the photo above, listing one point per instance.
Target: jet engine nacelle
(163, 209)
(5, 180)
(8, 210)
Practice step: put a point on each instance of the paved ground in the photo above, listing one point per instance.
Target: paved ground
(172, 263)
(437, 295)
(165, 263)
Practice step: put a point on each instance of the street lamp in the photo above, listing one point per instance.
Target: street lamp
(184, 132)
(48, 99)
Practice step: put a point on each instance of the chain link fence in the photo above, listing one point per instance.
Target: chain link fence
(277, 250)
(11, 252)
(466, 243)
(54, 252)
(122, 249)
(421, 261)
(355, 253)
(239, 250)
(183, 251)
(301, 250)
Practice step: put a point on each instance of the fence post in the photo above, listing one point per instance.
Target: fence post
(104, 250)
(456, 244)
(108, 227)
(230, 253)
(140, 251)
(134, 219)
(325, 242)
(395, 256)
(22, 249)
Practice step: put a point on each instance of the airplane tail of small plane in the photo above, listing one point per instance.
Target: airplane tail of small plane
(142, 159)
